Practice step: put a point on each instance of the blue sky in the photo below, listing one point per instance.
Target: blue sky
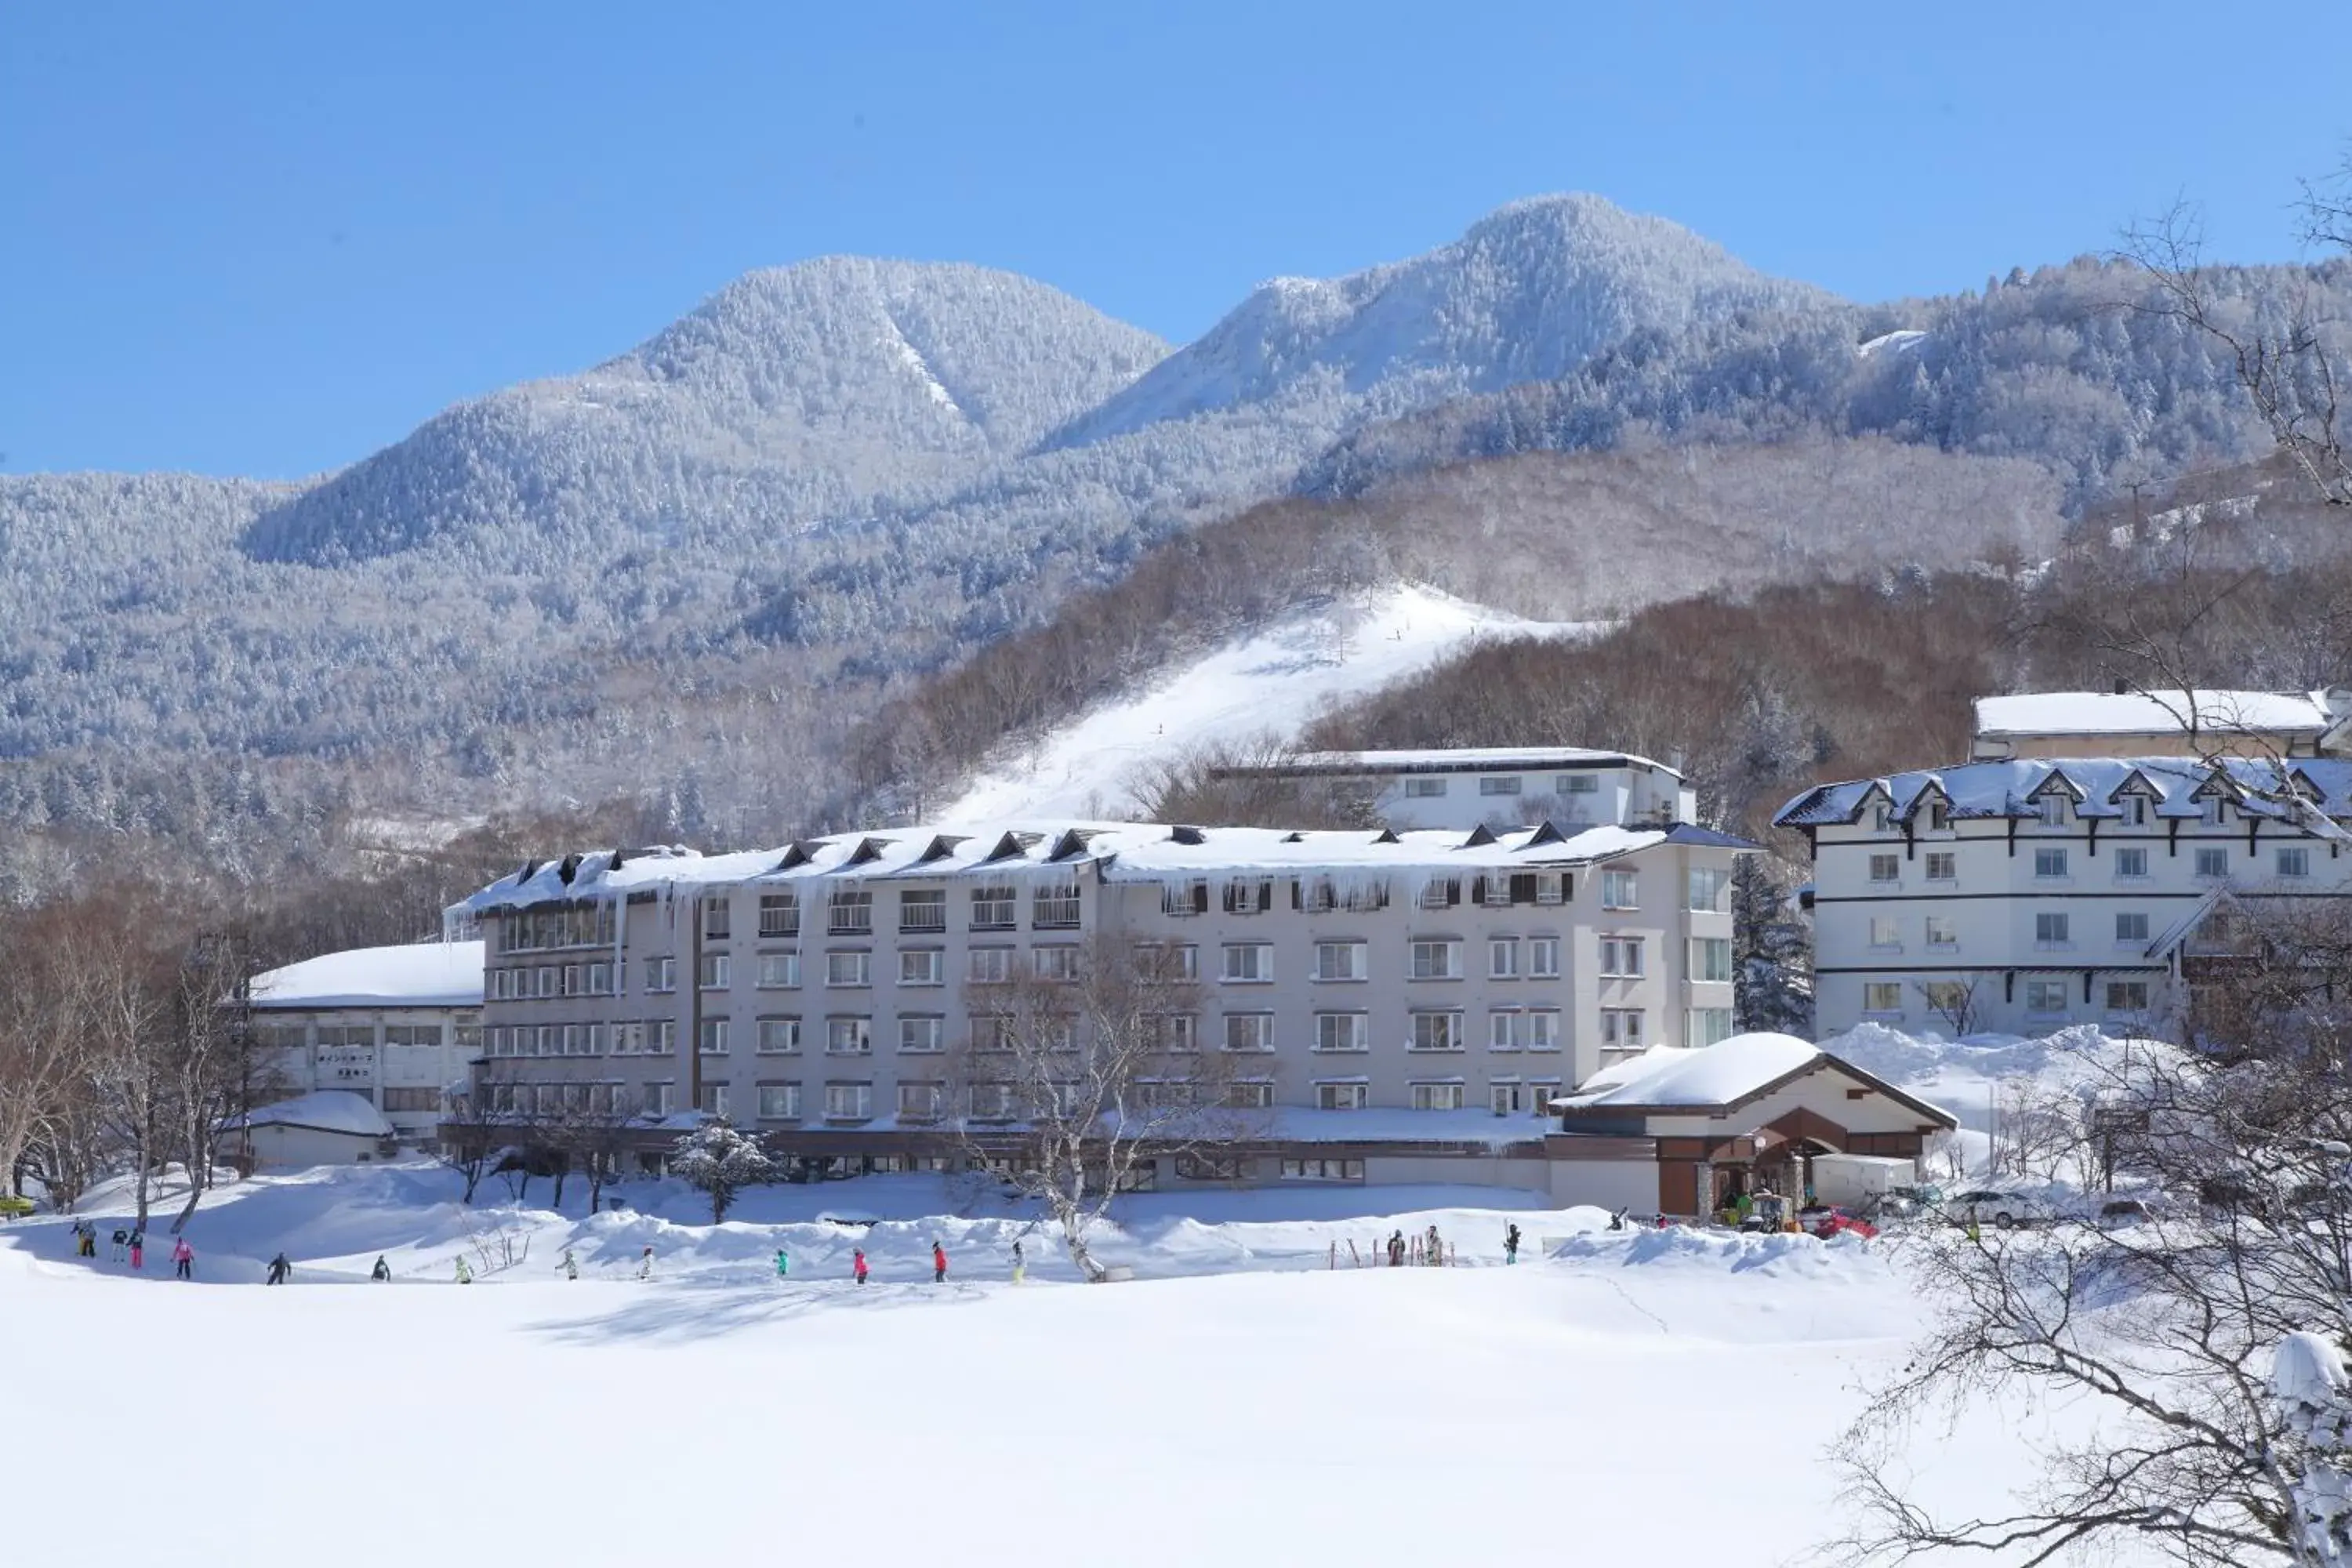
(267, 239)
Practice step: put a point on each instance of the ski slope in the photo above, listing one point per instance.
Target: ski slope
(1269, 684)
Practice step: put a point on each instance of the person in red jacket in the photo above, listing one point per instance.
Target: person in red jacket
(939, 1264)
(183, 1258)
(857, 1265)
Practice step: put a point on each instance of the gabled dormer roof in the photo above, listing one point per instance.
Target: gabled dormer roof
(2056, 783)
(941, 846)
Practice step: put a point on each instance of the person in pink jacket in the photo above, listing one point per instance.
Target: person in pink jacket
(183, 1259)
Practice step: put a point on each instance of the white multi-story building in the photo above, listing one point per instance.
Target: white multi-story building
(1403, 997)
(399, 1027)
(2186, 723)
(2027, 895)
(1463, 788)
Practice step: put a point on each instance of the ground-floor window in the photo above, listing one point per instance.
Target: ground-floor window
(1882, 996)
(1211, 1167)
(2123, 997)
(1322, 1170)
(1437, 1096)
(1708, 1025)
(2045, 997)
(1346, 1095)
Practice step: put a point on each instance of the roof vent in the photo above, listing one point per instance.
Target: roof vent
(1545, 833)
(1187, 835)
(940, 846)
(530, 869)
(620, 858)
(1480, 837)
(1386, 835)
(1294, 837)
(568, 868)
(869, 849)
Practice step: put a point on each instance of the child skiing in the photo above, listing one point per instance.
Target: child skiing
(138, 1249)
(857, 1265)
(183, 1259)
(279, 1271)
(120, 1242)
(382, 1273)
(464, 1275)
(646, 1263)
(571, 1265)
(1019, 1265)
(1510, 1243)
(782, 1263)
(939, 1264)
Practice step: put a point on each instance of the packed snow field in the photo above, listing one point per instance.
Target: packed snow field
(1640, 1393)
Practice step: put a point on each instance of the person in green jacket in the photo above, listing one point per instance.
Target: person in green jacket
(464, 1275)
(782, 1269)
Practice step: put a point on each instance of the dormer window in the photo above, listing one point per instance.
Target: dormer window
(2213, 816)
(2053, 810)
(1939, 816)
(2132, 811)
(1882, 817)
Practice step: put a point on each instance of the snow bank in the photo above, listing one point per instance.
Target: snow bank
(326, 1110)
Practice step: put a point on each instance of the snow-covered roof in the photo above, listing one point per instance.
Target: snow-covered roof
(1702, 1076)
(323, 1110)
(426, 974)
(2304, 713)
(2175, 786)
(1122, 851)
(1672, 1080)
(1451, 760)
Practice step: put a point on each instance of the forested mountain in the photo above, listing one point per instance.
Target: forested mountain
(688, 577)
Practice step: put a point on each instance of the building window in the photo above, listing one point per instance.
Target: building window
(1436, 961)
(2045, 997)
(1441, 892)
(710, 1037)
(2052, 809)
(2132, 811)
(1882, 996)
(992, 965)
(547, 976)
(1619, 890)
(848, 1101)
(780, 1102)
(1437, 1032)
(1622, 1029)
(1543, 1029)
(1508, 785)
(1186, 898)
(659, 1098)
(664, 1032)
(1503, 1029)
(1885, 867)
(921, 1033)
(1342, 1031)
(1885, 934)
(1436, 1096)
(1942, 934)
(2213, 864)
(1705, 1026)
(2127, 995)
(1322, 1170)
(1882, 817)
(1057, 963)
(849, 968)
(779, 1036)
(2131, 862)
(1340, 961)
(1711, 958)
(923, 909)
(717, 917)
(848, 1037)
(1251, 1094)
(1507, 1097)
(1552, 887)
(1249, 1031)
(850, 912)
(1247, 963)
(1943, 866)
(2292, 863)
(922, 966)
(994, 909)
(714, 1099)
(2049, 863)
(1577, 783)
(1708, 885)
(1180, 1032)
(415, 1101)
(2050, 931)
(1252, 897)
(2131, 928)
(1424, 788)
(921, 1101)
(1211, 1167)
(1503, 958)
(779, 914)
(1543, 957)
(1621, 958)
(1350, 1095)
(1054, 906)
(714, 972)
(780, 971)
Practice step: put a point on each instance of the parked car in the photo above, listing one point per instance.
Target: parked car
(1924, 1198)
(2002, 1210)
(1826, 1220)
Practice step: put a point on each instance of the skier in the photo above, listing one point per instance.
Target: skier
(120, 1241)
(1434, 1252)
(938, 1263)
(646, 1263)
(571, 1265)
(857, 1264)
(464, 1275)
(382, 1272)
(782, 1266)
(138, 1249)
(279, 1270)
(1510, 1243)
(183, 1259)
(1020, 1265)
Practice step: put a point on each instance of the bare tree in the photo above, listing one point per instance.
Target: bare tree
(1078, 1073)
(594, 1138)
(1956, 1002)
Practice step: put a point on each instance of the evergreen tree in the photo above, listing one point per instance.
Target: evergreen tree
(718, 1161)
(1772, 981)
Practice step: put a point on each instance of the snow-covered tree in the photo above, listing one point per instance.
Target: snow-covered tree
(720, 1162)
(1773, 979)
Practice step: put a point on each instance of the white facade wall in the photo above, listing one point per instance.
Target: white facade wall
(1632, 792)
(401, 1060)
(1606, 1184)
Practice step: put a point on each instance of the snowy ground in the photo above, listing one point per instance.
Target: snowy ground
(1626, 1396)
(1269, 683)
